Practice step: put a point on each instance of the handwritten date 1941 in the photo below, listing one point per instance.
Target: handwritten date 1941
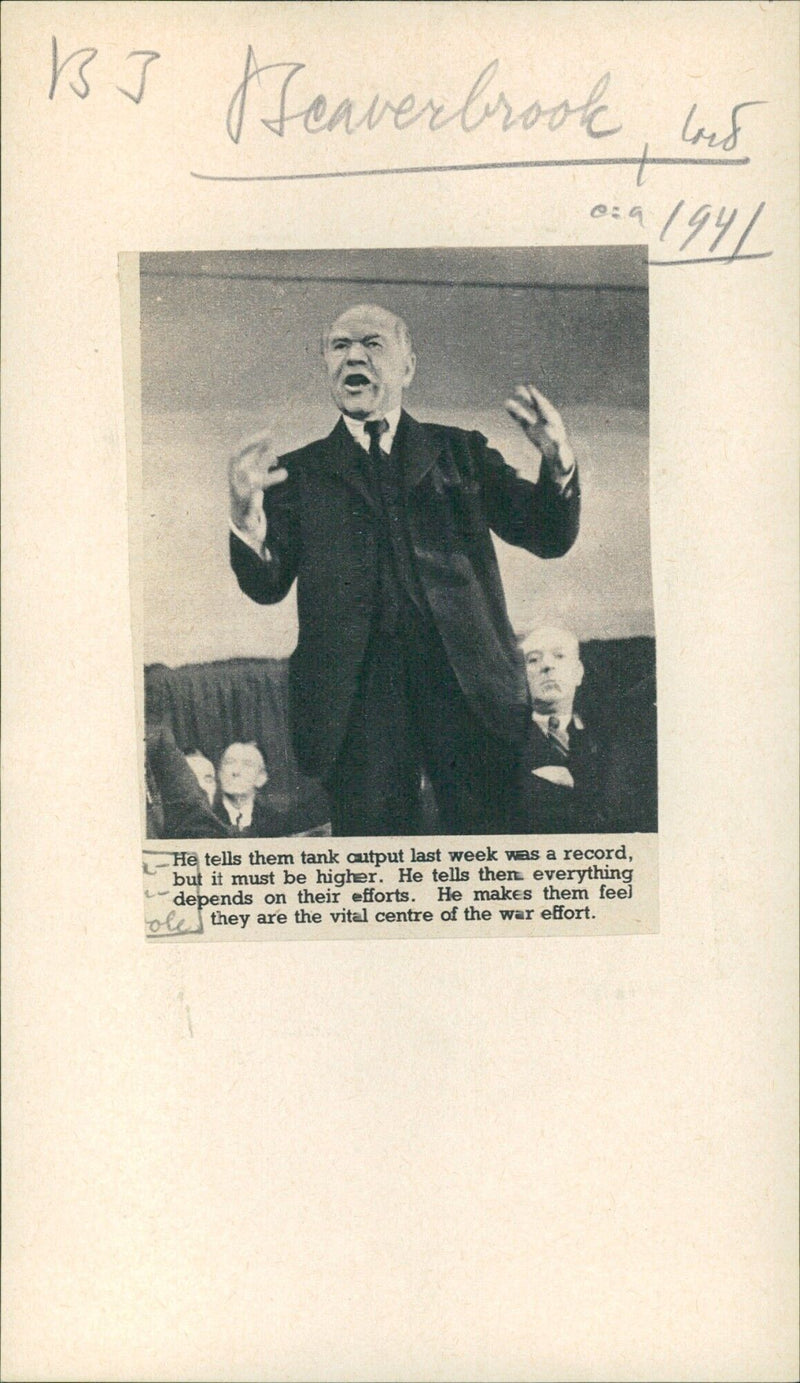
(678, 222)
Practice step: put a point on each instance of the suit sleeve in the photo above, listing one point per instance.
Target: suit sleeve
(268, 579)
(538, 517)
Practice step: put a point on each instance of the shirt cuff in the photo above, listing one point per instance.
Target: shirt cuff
(565, 482)
(256, 545)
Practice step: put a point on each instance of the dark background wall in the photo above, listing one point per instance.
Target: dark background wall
(230, 341)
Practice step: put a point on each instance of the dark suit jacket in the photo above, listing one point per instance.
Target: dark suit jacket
(554, 808)
(323, 530)
(269, 820)
(632, 775)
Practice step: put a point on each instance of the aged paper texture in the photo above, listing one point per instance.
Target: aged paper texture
(524, 1148)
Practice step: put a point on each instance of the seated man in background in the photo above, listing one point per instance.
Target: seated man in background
(241, 800)
(177, 807)
(566, 764)
(204, 771)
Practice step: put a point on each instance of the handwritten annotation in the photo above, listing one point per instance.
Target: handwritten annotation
(270, 98)
(161, 918)
(317, 116)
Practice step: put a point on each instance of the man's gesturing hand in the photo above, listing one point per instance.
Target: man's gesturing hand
(252, 470)
(542, 425)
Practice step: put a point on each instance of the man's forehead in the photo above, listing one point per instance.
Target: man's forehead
(357, 321)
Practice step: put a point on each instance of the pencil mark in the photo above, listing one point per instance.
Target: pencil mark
(473, 168)
(697, 222)
(161, 919)
(320, 115)
(149, 56)
(712, 139)
(714, 259)
(57, 68)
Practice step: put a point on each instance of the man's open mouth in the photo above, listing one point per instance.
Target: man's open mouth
(356, 380)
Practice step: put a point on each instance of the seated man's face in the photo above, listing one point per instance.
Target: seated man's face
(241, 770)
(553, 667)
(204, 772)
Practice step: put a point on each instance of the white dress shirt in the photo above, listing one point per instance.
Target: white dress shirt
(556, 773)
(358, 432)
(240, 813)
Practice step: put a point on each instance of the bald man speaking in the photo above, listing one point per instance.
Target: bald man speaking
(405, 659)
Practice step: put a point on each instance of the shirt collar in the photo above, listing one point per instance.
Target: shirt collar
(356, 428)
(240, 816)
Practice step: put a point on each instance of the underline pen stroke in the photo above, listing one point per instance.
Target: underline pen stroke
(473, 168)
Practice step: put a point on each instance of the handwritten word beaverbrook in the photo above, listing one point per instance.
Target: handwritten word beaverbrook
(483, 102)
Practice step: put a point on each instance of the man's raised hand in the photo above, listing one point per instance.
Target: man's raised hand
(253, 469)
(542, 425)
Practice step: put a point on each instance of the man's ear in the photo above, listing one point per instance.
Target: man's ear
(580, 673)
(261, 778)
(411, 369)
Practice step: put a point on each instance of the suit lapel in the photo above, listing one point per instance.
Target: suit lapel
(343, 459)
(418, 452)
(538, 744)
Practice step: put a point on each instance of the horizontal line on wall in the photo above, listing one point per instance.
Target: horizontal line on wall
(404, 282)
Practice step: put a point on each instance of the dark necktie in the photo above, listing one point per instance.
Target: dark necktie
(379, 480)
(375, 430)
(558, 738)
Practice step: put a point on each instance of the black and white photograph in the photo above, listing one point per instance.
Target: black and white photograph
(395, 537)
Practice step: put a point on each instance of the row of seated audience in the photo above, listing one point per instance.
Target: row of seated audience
(579, 775)
(187, 798)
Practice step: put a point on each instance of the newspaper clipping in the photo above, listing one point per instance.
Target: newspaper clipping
(396, 613)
